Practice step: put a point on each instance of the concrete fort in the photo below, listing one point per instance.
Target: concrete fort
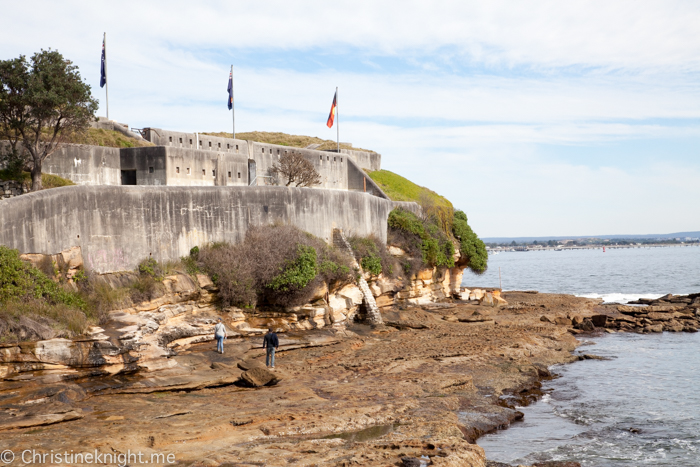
(118, 226)
(193, 159)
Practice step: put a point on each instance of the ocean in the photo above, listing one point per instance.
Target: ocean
(641, 407)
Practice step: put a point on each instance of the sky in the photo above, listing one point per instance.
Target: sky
(535, 118)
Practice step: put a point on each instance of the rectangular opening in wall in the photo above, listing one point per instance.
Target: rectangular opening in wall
(333, 158)
(278, 151)
(236, 148)
(219, 144)
(328, 158)
(229, 175)
(204, 172)
(170, 139)
(180, 140)
(341, 159)
(213, 173)
(151, 170)
(228, 146)
(209, 143)
(239, 175)
(188, 171)
(201, 143)
(128, 177)
(190, 142)
(270, 151)
(177, 170)
(263, 150)
(320, 157)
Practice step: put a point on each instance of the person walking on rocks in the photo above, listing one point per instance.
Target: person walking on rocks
(270, 342)
(220, 334)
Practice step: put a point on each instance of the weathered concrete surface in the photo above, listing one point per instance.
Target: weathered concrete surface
(365, 160)
(85, 165)
(118, 226)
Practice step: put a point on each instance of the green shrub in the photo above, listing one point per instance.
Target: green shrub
(297, 273)
(372, 255)
(471, 246)
(411, 233)
(372, 264)
(19, 280)
(150, 267)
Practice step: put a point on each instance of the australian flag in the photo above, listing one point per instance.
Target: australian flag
(230, 90)
(103, 72)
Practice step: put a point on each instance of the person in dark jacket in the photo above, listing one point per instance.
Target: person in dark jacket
(270, 342)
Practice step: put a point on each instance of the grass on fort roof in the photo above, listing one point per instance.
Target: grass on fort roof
(399, 188)
(108, 138)
(283, 139)
(47, 180)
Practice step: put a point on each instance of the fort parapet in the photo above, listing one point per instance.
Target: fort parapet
(193, 159)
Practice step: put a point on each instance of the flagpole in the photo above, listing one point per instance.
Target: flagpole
(233, 108)
(337, 116)
(104, 40)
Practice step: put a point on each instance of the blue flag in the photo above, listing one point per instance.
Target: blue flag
(103, 71)
(230, 90)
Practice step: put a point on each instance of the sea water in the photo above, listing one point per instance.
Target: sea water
(639, 408)
(614, 275)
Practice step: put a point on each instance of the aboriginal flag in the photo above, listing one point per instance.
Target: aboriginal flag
(230, 90)
(103, 71)
(331, 116)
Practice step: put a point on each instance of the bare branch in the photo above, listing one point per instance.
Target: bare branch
(296, 170)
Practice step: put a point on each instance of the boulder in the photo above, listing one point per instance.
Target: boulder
(395, 251)
(544, 319)
(487, 300)
(425, 275)
(72, 257)
(464, 294)
(384, 301)
(586, 325)
(339, 303)
(205, 283)
(599, 321)
(498, 299)
(562, 321)
(411, 462)
(258, 377)
(352, 292)
(319, 292)
(246, 365)
(576, 320)
(477, 294)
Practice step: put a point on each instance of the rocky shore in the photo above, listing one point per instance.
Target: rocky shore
(417, 390)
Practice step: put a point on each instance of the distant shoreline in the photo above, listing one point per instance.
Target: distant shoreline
(590, 247)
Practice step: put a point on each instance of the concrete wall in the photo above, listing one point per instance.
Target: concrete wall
(149, 164)
(370, 161)
(188, 167)
(118, 226)
(365, 160)
(85, 165)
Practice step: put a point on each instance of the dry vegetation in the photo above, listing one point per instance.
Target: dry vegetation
(277, 265)
(283, 139)
(107, 138)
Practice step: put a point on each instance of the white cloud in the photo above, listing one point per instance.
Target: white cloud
(600, 33)
(549, 72)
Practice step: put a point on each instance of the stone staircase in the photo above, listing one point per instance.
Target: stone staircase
(373, 315)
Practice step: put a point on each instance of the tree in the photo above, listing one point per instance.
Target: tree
(297, 170)
(43, 103)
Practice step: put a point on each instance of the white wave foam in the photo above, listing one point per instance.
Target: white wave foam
(620, 297)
